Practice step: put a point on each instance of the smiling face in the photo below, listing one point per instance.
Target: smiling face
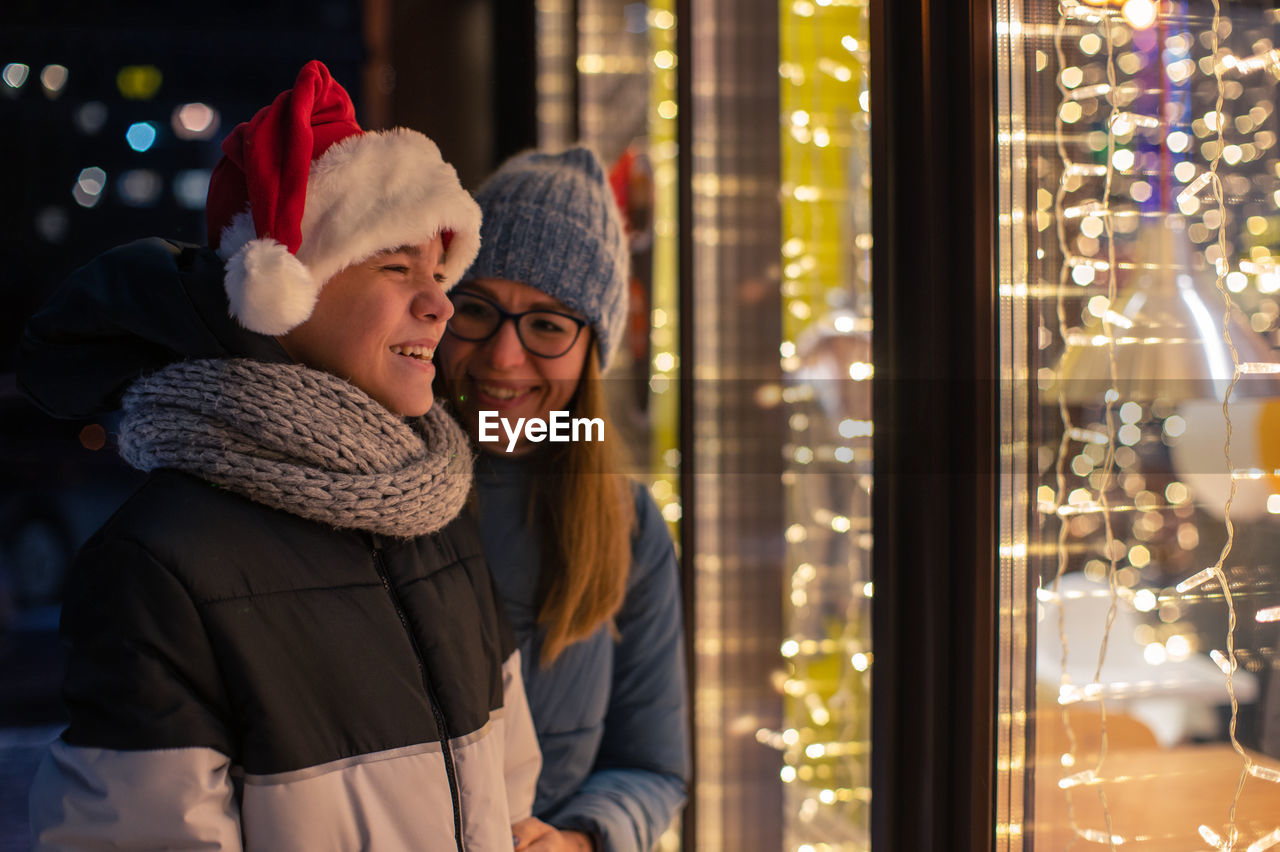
(377, 323)
(499, 374)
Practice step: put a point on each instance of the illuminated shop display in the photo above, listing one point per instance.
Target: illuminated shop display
(826, 359)
(778, 318)
(1140, 566)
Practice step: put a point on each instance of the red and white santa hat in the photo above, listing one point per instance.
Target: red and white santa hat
(302, 193)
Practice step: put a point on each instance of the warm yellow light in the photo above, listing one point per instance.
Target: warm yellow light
(1145, 600)
(139, 82)
(1140, 14)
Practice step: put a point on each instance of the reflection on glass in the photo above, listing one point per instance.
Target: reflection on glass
(1142, 478)
(780, 627)
(625, 84)
(826, 360)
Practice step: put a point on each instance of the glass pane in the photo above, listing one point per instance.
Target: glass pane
(1141, 478)
(781, 420)
(625, 110)
(782, 426)
(826, 359)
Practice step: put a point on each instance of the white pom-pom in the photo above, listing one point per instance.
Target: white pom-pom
(270, 290)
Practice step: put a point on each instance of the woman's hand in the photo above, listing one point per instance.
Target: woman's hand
(534, 835)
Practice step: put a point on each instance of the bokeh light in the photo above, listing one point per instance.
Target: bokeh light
(141, 136)
(195, 121)
(53, 79)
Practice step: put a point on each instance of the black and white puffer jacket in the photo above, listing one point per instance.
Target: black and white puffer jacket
(242, 678)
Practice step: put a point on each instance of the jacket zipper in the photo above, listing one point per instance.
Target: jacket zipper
(441, 726)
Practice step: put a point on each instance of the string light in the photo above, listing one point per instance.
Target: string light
(1266, 842)
(1124, 161)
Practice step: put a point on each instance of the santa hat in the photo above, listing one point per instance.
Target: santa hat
(302, 193)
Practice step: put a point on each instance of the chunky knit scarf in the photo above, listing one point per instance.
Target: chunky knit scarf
(300, 440)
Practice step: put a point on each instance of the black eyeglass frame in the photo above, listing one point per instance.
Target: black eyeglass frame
(504, 315)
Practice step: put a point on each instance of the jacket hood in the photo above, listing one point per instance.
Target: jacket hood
(126, 313)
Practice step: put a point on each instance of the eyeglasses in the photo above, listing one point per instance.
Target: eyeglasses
(547, 334)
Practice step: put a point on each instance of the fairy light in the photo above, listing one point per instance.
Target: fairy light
(1086, 777)
(1092, 211)
(1071, 171)
(1222, 269)
(1264, 773)
(1195, 581)
(1220, 659)
(1182, 156)
(1266, 842)
(1211, 837)
(1140, 14)
(1257, 367)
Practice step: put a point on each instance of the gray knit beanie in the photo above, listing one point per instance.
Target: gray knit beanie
(550, 221)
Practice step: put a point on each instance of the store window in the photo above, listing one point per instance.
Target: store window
(745, 396)
(1140, 178)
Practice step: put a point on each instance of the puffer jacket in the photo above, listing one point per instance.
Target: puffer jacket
(244, 678)
(611, 712)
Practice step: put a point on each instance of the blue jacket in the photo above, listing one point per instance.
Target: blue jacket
(611, 716)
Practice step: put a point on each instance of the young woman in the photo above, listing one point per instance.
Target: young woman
(581, 557)
(283, 639)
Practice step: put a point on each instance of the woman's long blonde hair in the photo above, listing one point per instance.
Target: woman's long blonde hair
(585, 508)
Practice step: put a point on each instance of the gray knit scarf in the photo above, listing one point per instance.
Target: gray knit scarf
(300, 440)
